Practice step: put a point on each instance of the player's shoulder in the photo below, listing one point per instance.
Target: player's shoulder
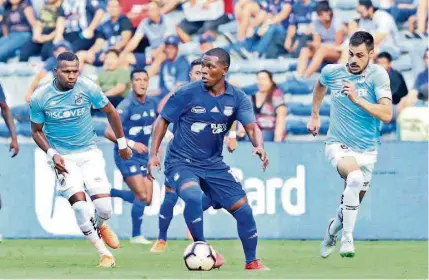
(236, 91)
(333, 68)
(376, 71)
(86, 85)
(41, 91)
(190, 88)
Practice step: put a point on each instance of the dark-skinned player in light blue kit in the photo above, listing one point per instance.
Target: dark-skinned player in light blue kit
(202, 113)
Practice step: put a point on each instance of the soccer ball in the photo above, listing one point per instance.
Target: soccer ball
(199, 256)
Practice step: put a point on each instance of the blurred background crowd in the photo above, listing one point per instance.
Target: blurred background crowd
(278, 48)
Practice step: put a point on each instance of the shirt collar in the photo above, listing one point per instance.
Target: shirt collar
(161, 20)
(228, 88)
(135, 101)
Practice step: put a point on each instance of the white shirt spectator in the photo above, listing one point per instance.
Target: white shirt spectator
(328, 35)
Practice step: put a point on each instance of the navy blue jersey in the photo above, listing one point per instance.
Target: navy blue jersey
(137, 119)
(111, 31)
(201, 122)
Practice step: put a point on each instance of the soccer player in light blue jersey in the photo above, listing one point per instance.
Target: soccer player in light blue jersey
(62, 127)
(202, 113)
(361, 100)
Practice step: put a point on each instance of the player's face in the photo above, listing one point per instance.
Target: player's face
(67, 73)
(113, 8)
(363, 11)
(212, 70)
(154, 12)
(359, 58)
(140, 83)
(264, 82)
(385, 63)
(195, 73)
(171, 52)
(111, 61)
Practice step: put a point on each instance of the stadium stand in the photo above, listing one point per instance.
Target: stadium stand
(16, 76)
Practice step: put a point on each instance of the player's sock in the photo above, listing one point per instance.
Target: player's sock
(103, 209)
(87, 225)
(193, 212)
(351, 201)
(166, 214)
(337, 225)
(137, 216)
(247, 232)
(206, 202)
(125, 195)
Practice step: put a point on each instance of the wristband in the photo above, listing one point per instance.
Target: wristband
(51, 153)
(232, 134)
(131, 143)
(122, 143)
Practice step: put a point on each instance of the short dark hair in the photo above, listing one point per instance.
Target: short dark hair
(385, 55)
(195, 62)
(362, 37)
(137, 70)
(366, 3)
(66, 56)
(115, 51)
(323, 6)
(220, 53)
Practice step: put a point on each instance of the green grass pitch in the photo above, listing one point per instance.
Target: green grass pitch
(287, 259)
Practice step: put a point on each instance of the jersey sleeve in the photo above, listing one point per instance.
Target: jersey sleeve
(2, 96)
(123, 110)
(141, 28)
(324, 76)
(125, 24)
(97, 97)
(175, 106)
(382, 85)
(245, 114)
(36, 111)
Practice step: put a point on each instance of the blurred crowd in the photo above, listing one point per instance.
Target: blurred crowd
(119, 35)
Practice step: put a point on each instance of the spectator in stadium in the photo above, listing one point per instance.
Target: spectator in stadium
(8, 119)
(269, 107)
(135, 10)
(422, 78)
(173, 72)
(113, 34)
(328, 36)
(43, 33)
(200, 16)
(114, 80)
(18, 23)
(249, 15)
(153, 28)
(419, 20)
(48, 67)
(402, 10)
(299, 31)
(419, 100)
(381, 25)
(397, 82)
(77, 23)
(207, 40)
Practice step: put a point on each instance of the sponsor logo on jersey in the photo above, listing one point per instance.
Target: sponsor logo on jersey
(218, 128)
(135, 117)
(214, 110)
(65, 114)
(227, 111)
(78, 99)
(198, 110)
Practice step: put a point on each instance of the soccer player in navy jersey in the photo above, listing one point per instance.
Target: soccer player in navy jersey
(203, 112)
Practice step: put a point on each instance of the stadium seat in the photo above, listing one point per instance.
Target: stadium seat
(230, 27)
(299, 109)
(344, 4)
(254, 66)
(23, 128)
(388, 128)
(295, 86)
(99, 126)
(403, 63)
(21, 113)
(4, 131)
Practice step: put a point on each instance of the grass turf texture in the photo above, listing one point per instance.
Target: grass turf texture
(287, 259)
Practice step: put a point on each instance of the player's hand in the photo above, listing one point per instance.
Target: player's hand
(153, 162)
(350, 90)
(140, 148)
(15, 147)
(60, 164)
(262, 155)
(314, 125)
(125, 153)
(231, 144)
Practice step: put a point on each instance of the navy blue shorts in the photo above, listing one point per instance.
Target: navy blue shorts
(132, 166)
(218, 184)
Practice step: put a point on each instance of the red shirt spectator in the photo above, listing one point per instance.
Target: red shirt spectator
(135, 10)
(229, 7)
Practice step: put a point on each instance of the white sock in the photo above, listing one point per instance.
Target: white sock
(337, 225)
(103, 207)
(351, 201)
(88, 226)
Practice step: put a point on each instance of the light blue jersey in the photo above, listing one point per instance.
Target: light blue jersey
(350, 124)
(66, 115)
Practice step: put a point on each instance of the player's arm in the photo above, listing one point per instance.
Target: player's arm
(161, 126)
(8, 119)
(231, 139)
(116, 125)
(318, 95)
(382, 110)
(136, 146)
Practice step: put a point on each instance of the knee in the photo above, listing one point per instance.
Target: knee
(141, 196)
(191, 193)
(104, 207)
(355, 179)
(82, 211)
(170, 197)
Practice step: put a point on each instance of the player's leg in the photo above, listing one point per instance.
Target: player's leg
(126, 195)
(324, 53)
(304, 56)
(71, 188)
(226, 190)
(164, 219)
(92, 166)
(142, 190)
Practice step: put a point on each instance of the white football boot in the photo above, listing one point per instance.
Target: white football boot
(347, 249)
(328, 244)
